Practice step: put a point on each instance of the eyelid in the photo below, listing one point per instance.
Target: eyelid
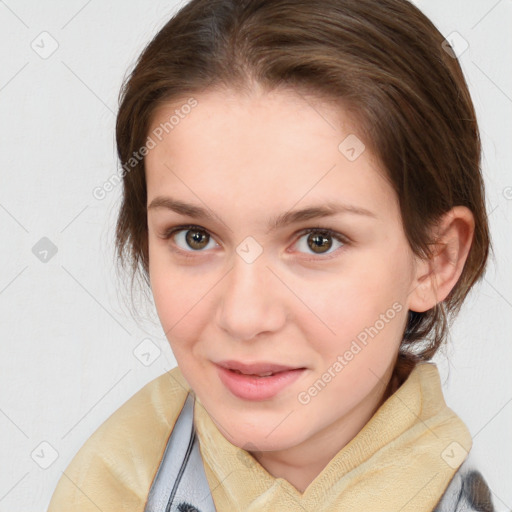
(327, 231)
(167, 233)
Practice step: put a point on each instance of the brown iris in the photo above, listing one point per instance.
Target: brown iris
(197, 239)
(319, 242)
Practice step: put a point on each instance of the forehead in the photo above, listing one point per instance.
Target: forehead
(261, 148)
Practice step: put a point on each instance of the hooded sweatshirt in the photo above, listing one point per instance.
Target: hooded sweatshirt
(411, 456)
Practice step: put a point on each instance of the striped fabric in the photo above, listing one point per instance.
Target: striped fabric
(467, 491)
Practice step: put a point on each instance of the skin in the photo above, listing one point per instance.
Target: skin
(247, 158)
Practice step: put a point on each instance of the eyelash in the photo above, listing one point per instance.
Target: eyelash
(316, 229)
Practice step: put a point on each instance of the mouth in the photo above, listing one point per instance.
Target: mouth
(266, 374)
(259, 381)
(261, 369)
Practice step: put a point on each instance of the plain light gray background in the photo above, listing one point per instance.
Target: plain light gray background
(69, 346)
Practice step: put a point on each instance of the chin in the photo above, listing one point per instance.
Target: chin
(254, 439)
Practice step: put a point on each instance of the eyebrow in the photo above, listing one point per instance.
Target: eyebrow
(279, 221)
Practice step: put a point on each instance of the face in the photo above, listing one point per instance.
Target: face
(240, 276)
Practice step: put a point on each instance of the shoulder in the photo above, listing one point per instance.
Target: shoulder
(114, 469)
(467, 491)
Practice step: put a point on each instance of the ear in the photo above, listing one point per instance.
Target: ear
(435, 277)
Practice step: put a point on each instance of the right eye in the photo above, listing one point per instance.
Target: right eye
(191, 238)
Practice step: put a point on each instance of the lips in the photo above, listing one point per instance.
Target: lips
(257, 381)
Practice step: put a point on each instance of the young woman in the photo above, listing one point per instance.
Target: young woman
(303, 196)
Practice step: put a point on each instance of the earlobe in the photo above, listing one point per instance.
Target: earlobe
(437, 276)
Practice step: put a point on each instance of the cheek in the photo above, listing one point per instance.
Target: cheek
(177, 297)
(180, 316)
(365, 301)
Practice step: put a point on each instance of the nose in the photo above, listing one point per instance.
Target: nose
(251, 300)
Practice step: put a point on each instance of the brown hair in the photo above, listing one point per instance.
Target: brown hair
(384, 59)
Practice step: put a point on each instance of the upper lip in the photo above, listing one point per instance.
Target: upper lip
(255, 368)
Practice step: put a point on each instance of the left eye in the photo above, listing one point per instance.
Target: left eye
(319, 241)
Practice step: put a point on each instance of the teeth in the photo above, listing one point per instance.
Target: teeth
(257, 375)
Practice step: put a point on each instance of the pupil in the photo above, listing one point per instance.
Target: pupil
(316, 242)
(197, 239)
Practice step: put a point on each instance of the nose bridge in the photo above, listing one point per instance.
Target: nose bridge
(249, 303)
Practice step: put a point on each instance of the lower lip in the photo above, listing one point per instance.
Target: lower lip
(249, 387)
